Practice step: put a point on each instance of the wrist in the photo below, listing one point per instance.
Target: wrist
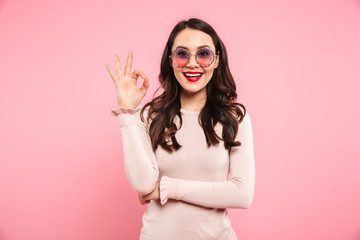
(128, 107)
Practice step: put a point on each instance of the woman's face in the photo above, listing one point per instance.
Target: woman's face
(192, 39)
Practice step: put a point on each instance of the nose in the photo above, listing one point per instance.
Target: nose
(192, 61)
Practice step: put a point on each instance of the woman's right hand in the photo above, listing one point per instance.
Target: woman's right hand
(127, 92)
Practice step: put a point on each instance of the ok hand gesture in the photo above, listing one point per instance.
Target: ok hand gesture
(127, 92)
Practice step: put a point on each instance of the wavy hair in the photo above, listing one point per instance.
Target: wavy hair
(220, 103)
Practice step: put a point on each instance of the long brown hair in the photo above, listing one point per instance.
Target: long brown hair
(220, 103)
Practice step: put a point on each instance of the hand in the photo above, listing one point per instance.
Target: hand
(127, 92)
(145, 199)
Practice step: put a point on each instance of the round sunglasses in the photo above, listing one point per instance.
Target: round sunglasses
(181, 57)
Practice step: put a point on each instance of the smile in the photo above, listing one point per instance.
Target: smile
(193, 76)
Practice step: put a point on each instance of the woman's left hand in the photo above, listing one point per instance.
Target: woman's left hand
(145, 199)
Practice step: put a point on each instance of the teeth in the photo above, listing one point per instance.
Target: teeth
(193, 75)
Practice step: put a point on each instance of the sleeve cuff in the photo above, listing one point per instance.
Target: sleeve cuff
(170, 188)
(126, 116)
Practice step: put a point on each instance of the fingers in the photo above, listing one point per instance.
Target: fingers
(145, 85)
(128, 63)
(143, 200)
(138, 73)
(118, 66)
(112, 74)
(116, 75)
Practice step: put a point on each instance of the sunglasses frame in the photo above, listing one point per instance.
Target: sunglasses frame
(190, 54)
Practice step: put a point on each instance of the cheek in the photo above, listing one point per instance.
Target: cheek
(209, 73)
(178, 75)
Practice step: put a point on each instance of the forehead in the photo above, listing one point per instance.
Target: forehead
(192, 39)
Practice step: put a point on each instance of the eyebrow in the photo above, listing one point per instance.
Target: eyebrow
(197, 48)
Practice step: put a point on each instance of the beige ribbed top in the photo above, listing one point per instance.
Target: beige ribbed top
(195, 189)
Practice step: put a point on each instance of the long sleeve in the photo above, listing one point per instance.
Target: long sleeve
(237, 192)
(140, 163)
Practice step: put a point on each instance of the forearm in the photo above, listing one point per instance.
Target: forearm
(235, 193)
(140, 164)
(140, 168)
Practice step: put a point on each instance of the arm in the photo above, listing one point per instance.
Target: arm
(140, 164)
(238, 192)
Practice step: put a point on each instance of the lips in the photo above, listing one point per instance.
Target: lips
(193, 76)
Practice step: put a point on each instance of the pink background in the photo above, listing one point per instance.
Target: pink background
(297, 67)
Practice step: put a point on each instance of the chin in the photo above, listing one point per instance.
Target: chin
(192, 90)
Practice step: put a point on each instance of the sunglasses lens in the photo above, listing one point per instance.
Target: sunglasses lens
(205, 57)
(180, 57)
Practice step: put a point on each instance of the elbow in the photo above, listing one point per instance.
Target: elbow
(141, 184)
(247, 203)
(144, 188)
(244, 198)
(244, 194)
(244, 201)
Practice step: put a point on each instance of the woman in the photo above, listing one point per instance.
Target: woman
(202, 133)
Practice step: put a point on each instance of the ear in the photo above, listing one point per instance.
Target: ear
(217, 60)
(170, 62)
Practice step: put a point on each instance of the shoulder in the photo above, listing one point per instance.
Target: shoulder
(144, 112)
(243, 117)
(244, 127)
(245, 130)
(246, 121)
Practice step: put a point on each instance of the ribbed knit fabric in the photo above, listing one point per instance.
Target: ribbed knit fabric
(194, 186)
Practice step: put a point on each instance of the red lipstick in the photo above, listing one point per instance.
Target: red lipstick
(193, 76)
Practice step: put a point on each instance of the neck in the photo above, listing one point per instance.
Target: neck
(193, 101)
